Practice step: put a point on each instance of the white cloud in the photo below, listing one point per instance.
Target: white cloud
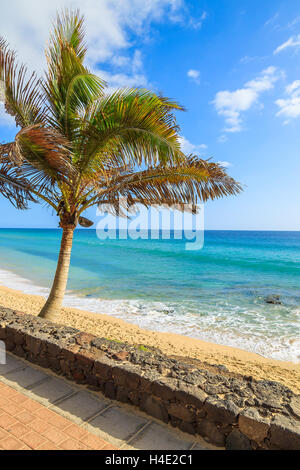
(272, 19)
(194, 75)
(293, 41)
(293, 88)
(264, 82)
(132, 77)
(231, 104)
(290, 107)
(109, 24)
(188, 147)
(120, 61)
(197, 23)
(137, 63)
(246, 59)
(225, 164)
(119, 80)
(292, 24)
(112, 30)
(6, 119)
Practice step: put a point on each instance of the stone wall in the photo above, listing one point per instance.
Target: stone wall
(226, 409)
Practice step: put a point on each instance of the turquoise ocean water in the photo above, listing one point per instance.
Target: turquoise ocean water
(216, 294)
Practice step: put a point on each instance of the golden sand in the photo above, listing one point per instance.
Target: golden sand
(236, 360)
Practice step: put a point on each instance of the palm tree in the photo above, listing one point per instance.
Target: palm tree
(81, 146)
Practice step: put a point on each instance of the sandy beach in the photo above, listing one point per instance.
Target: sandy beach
(236, 360)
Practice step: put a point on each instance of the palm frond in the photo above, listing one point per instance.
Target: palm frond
(69, 86)
(24, 99)
(190, 182)
(68, 28)
(135, 125)
(10, 152)
(46, 156)
(13, 185)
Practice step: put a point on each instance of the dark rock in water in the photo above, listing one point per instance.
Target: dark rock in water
(273, 299)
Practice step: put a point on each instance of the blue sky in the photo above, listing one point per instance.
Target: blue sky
(234, 65)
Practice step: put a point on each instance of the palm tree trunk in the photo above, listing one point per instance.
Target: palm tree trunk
(53, 304)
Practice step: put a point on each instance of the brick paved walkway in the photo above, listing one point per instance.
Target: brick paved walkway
(26, 424)
(40, 410)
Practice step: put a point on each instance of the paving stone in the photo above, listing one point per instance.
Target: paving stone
(26, 377)
(51, 391)
(119, 424)
(156, 437)
(116, 424)
(19, 432)
(81, 406)
(11, 364)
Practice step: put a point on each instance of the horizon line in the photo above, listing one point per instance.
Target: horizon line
(172, 230)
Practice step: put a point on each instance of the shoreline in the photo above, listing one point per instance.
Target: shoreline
(236, 360)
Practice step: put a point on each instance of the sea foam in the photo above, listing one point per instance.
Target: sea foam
(160, 316)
